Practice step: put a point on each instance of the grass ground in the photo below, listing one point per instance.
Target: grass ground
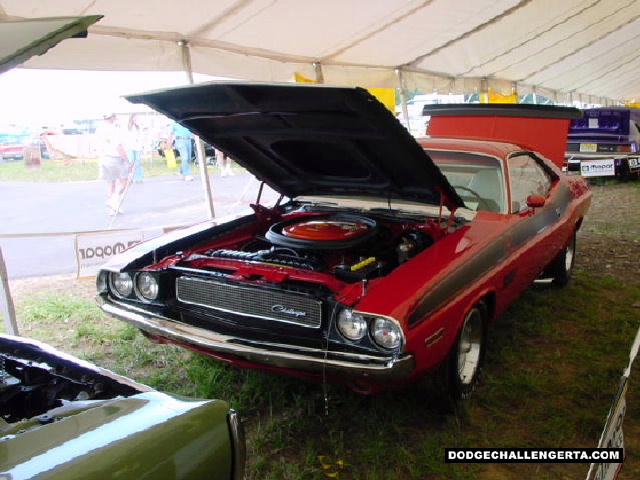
(552, 370)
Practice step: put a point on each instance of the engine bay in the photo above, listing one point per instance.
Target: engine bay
(349, 246)
(37, 393)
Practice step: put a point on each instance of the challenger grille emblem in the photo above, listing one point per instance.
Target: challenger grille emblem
(288, 311)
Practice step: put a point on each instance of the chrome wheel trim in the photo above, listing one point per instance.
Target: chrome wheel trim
(569, 255)
(470, 347)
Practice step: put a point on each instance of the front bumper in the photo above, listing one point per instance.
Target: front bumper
(389, 367)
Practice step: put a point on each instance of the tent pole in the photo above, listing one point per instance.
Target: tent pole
(200, 155)
(6, 302)
(403, 95)
(317, 66)
(484, 90)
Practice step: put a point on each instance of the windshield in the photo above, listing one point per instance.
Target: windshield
(478, 179)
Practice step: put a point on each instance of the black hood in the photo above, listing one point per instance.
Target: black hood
(309, 139)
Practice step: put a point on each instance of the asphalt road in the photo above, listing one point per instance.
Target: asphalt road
(39, 221)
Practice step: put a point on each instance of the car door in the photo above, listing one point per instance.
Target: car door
(538, 235)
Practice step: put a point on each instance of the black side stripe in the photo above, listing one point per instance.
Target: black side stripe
(456, 282)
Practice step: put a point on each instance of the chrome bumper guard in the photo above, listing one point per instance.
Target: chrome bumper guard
(264, 353)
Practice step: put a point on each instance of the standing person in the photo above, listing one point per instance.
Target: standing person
(134, 147)
(224, 163)
(181, 138)
(114, 163)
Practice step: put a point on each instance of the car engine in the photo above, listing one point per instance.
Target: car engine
(36, 393)
(352, 247)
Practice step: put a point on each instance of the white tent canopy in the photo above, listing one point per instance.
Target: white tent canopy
(580, 49)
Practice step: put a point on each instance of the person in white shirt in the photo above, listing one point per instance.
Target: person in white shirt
(114, 163)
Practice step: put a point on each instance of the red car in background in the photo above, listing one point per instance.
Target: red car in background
(11, 147)
(386, 259)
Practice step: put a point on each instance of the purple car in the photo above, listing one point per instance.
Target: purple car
(605, 142)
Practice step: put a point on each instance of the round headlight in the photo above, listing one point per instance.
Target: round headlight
(121, 283)
(386, 333)
(351, 325)
(147, 286)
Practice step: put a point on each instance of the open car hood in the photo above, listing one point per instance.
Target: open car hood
(309, 139)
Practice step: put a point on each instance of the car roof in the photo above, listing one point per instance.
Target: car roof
(487, 147)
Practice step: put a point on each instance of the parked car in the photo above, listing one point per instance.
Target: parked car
(63, 418)
(605, 142)
(385, 265)
(11, 147)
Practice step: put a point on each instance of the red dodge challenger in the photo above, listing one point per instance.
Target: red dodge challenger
(385, 260)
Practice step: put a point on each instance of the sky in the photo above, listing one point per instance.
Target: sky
(36, 98)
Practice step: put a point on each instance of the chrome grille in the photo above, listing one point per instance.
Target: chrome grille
(255, 302)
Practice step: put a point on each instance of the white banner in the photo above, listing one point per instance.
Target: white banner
(598, 168)
(612, 436)
(94, 249)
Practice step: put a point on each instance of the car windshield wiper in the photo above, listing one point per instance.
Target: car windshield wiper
(329, 206)
(397, 211)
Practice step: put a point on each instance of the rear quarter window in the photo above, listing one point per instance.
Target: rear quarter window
(527, 177)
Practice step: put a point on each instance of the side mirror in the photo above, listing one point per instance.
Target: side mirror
(535, 201)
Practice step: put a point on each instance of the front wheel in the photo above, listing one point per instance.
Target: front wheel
(469, 353)
(561, 268)
(458, 375)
